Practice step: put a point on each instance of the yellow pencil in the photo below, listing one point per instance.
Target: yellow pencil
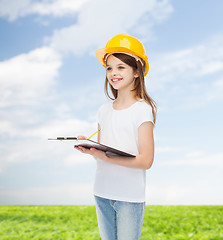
(93, 134)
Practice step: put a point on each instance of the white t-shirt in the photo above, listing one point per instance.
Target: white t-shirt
(119, 129)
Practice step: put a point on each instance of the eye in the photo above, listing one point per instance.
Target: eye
(120, 67)
(108, 68)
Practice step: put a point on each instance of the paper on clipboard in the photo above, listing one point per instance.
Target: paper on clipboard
(87, 143)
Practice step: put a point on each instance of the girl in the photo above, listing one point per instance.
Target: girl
(125, 124)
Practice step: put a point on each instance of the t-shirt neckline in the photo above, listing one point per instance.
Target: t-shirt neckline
(125, 108)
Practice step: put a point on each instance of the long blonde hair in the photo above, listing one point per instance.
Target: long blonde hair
(139, 88)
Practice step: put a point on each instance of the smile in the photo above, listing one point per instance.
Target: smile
(116, 79)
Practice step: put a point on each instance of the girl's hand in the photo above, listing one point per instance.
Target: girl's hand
(81, 137)
(92, 151)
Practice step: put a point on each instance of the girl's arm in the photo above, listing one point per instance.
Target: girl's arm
(99, 133)
(143, 160)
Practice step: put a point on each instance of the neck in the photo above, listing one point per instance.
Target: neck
(125, 97)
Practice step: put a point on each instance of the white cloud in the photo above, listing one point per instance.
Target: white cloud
(57, 7)
(51, 128)
(65, 127)
(77, 159)
(176, 194)
(7, 128)
(13, 10)
(193, 158)
(31, 143)
(68, 194)
(168, 149)
(187, 64)
(82, 194)
(100, 20)
(26, 77)
(215, 91)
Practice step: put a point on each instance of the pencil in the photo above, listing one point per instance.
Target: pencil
(93, 134)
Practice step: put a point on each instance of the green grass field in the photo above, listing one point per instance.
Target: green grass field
(79, 222)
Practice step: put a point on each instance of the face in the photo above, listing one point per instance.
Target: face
(119, 74)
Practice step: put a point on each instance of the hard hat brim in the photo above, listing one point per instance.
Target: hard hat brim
(101, 53)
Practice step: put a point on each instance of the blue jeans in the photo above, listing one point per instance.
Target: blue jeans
(118, 220)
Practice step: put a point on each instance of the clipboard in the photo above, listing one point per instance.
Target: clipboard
(87, 143)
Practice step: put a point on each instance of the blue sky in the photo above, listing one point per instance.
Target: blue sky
(52, 85)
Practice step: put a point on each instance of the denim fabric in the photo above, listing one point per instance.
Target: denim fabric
(118, 220)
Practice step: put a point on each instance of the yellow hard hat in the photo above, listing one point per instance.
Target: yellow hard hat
(123, 43)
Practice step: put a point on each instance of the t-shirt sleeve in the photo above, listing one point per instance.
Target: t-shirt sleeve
(144, 114)
(100, 113)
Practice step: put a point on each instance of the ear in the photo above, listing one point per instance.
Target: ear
(136, 74)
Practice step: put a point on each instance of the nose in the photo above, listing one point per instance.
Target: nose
(114, 72)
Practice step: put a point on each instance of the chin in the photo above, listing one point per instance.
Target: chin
(116, 87)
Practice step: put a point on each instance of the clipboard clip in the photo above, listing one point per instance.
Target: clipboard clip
(63, 138)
